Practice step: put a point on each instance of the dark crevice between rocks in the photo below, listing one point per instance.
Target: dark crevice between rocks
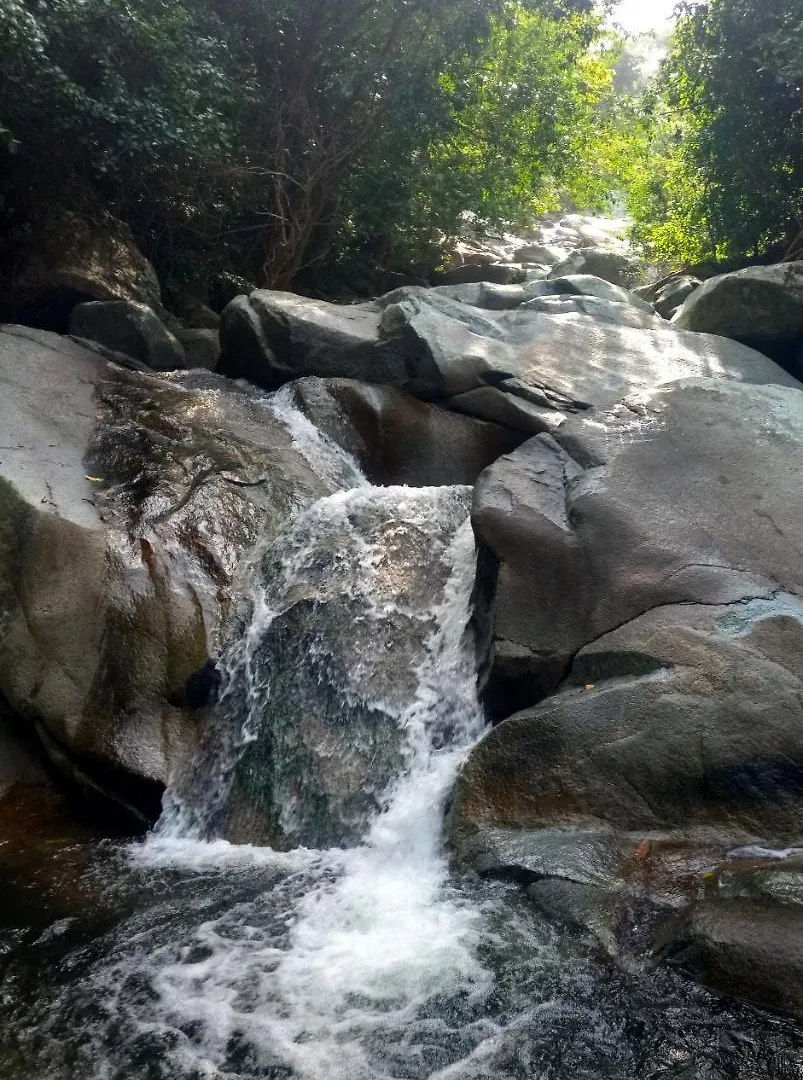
(110, 801)
(49, 310)
(122, 803)
(481, 621)
(520, 678)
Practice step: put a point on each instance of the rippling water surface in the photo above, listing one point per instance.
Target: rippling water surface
(194, 961)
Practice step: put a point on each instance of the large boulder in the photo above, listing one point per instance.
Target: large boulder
(128, 503)
(483, 294)
(761, 306)
(620, 314)
(668, 498)
(668, 294)
(613, 266)
(655, 799)
(538, 253)
(686, 719)
(131, 329)
(274, 337)
(745, 934)
(398, 439)
(588, 285)
(524, 369)
(650, 582)
(67, 257)
(498, 273)
(201, 347)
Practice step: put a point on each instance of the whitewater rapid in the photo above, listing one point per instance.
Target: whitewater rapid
(377, 930)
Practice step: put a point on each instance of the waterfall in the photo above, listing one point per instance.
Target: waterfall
(373, 931)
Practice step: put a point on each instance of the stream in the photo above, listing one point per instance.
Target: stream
(365, 956)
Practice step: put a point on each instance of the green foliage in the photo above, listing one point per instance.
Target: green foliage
(268, 135)
(527, 123)
(725, 174)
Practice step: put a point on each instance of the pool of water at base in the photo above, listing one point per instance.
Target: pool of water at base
(184, 962)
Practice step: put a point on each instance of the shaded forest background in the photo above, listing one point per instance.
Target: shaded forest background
(295, 142)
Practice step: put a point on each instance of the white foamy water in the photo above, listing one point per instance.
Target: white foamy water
(373, 933)
(370, 934)
(331, 462)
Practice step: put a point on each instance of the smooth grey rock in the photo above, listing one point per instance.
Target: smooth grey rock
(397, 439)
(201, 348)
(273, 337)
(535, 273)
(437, 347)
(619, 269)
(589, 285)
(499, 273)
(486, 295)
(683, 495)
(129, 503)
(129, 328)
(673, 293)
(687, 718)
(620, 314)
(538, 253)
(18, 764)
(675, 739)
(511, 410)
(762, 306)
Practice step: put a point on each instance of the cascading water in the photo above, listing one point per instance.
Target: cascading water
(377, 931)
(371, 961)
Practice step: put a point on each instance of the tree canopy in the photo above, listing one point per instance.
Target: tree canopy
(267, 135)
(723, 173)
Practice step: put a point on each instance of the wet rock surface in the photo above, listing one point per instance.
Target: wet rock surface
(128, 503)
(638, 610)
(667, 581)
(337, 665)
(687, 717)
(744, 935)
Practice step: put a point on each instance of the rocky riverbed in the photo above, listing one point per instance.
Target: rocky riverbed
(454, 640)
